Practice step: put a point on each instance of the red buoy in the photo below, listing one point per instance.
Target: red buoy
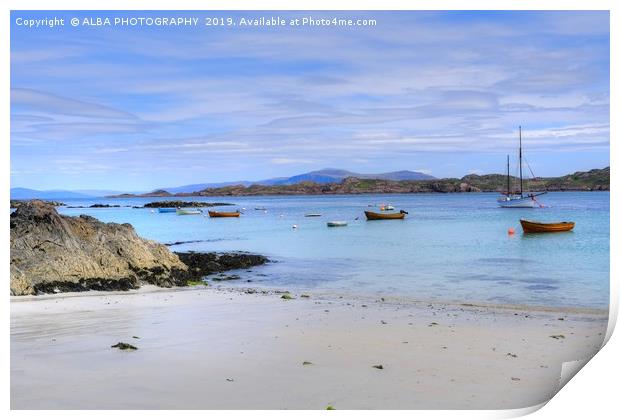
(511, 231)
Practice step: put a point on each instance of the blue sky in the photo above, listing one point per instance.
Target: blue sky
(439, 92)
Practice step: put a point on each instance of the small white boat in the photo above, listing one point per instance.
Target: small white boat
(337, 223)
(187, 212)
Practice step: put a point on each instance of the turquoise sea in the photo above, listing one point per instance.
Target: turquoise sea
(452, 247)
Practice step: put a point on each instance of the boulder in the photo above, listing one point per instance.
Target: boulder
(55, 253)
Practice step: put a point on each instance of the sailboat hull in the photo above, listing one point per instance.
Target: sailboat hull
(517, 202)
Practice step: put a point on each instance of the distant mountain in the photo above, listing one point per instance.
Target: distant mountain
(200, 187)
(594, 180)
(330, 175)
(98, 193)
(27, 193)
(323, 176)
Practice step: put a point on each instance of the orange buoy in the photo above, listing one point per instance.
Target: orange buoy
(511, 231)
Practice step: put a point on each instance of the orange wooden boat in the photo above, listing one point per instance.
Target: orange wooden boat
(531, 227)
(224, 213)
(370, 215)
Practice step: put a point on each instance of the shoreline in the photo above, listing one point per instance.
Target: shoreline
(324, 295)
(216, 348)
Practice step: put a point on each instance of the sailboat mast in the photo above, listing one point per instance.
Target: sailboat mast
(520, 165)
(508, 174)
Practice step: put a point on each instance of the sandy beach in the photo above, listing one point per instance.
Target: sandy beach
(208, 348)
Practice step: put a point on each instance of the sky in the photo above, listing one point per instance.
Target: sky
(139, 108)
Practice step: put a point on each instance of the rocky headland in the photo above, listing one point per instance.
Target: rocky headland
(52, 253)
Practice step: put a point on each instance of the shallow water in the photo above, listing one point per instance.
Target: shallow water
(450, 247)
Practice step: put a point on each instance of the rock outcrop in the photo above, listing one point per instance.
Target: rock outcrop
(54, 253)
(51, 253)
(203, 264)
(17, 203)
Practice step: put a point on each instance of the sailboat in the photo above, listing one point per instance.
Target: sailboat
(520, 199)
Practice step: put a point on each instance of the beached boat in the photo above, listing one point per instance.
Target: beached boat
(370, 215)
(337, 223)
(188, 212)
(530, 226)
(224, 213)
(518, 199)
(312, 215)
(166, 209)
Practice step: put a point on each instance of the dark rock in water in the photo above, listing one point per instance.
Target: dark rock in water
(204, 264)
(178, 203)
(96, 206)
(380, 367)
(124, 346)
(51, 253)
(184, 242)
(224, 278)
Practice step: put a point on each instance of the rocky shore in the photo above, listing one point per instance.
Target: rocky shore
(14, 204)
(52, 253)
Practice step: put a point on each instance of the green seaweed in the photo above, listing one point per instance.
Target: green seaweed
(197, 283)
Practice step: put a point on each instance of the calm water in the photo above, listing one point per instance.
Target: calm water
(451, 247)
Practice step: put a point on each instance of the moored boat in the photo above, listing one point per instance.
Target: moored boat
(370, 215)
(518, 199)
(166, 209)
(530, 226)
(312, 215)
(224, 213)
(188, 212)
(337, 223)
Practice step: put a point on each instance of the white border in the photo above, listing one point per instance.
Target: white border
(593, 393)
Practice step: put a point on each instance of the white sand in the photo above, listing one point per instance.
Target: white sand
(205, 349)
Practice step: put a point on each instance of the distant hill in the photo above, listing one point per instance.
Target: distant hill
(323, 176)
(27, 193)
(338, 181)
(594, 180)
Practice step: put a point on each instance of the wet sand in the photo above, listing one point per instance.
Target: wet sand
(204, 348)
